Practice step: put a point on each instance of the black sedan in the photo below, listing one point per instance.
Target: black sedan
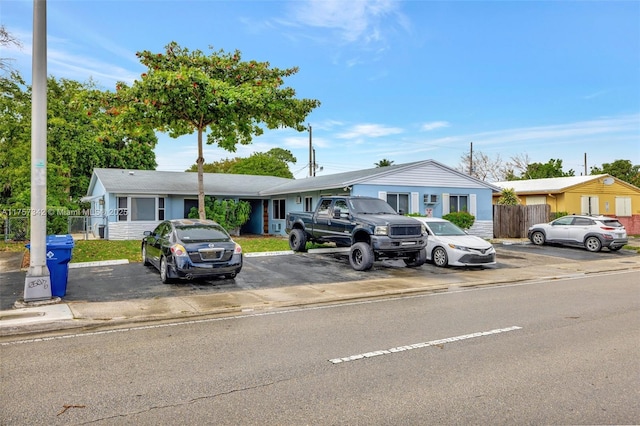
(191, 248)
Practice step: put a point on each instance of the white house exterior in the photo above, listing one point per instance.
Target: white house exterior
(125, 203)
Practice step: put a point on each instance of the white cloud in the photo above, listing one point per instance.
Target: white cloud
(354, 20)
(369, 130)
(434, 125)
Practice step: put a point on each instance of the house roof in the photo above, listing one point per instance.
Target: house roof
(160, 182)
(341, 180)
(548, 185)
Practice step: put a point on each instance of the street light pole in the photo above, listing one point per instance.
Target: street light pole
(37, 284)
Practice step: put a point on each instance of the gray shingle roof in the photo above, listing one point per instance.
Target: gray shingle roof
(160, 182)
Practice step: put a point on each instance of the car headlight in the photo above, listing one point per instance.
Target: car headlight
(456, 247)
(381, 230)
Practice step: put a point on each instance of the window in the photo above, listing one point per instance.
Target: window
(623, 206)
(278, 209)
(140, 208)
(123, 210)
(399, 202)
(188, 205)
(161, 208)
(308, 204)
(323, 208)
(458, 203)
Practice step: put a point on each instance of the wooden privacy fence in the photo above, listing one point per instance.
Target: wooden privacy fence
(514, 221)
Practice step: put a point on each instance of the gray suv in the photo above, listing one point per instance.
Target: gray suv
(590, 232)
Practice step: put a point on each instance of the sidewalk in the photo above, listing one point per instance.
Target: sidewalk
(83, 314)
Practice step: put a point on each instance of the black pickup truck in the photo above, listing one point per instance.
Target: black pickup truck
(368, 225)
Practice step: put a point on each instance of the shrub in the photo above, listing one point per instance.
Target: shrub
(230, 214)
(463, 219)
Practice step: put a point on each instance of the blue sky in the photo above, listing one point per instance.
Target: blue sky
(398, 80)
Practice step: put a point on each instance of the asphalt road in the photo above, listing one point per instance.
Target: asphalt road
(546, 352)
(134, 281)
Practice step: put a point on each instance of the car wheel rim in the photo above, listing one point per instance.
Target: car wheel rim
(357, 257)
(439, 257)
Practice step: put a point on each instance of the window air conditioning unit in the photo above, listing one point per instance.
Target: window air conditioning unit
(430, 198)
(298, 200)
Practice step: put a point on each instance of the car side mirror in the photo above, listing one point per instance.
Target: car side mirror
(336, 213)
(146, 233)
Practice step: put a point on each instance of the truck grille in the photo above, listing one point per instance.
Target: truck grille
(405, 230)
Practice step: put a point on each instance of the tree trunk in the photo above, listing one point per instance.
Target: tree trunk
(200, 162)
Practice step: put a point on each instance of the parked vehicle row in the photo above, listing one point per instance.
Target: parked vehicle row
(192, 248)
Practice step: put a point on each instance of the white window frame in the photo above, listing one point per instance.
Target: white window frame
(126, 211)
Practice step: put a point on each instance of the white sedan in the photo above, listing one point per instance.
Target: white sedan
(448, 245)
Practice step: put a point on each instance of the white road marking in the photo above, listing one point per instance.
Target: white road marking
(422, 345)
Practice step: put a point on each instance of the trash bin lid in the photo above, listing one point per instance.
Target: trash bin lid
(63, 241)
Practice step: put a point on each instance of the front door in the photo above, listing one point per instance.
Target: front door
(265, 217)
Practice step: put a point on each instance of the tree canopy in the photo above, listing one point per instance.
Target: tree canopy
(232, 100)
(384, 163)
(550, 169)
(622, 169)
(271, 163)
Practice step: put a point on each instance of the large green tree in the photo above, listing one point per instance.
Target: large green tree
(271, 163)
(622, 169)
(184, 92)
(81, 136)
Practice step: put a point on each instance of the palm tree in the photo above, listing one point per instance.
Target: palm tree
(384, 163)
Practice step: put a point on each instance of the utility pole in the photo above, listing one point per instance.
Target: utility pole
(585, 163)
(37, 285)
(471, 160)
(310, 153)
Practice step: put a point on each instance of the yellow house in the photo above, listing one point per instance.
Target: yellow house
(594, 195)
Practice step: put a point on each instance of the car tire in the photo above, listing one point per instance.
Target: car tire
(145, 260)
(361, 257)
(538, 238)
(593, 244)
(439, 257)
(164, 271)
(418, 259)
(298, 240)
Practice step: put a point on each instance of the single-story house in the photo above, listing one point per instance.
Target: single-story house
(600, 194)
(125, 203)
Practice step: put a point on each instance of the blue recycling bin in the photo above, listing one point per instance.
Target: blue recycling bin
(58, 253)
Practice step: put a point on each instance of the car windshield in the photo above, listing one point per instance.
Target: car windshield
(442, 229)
(193, 233)
(371, 206)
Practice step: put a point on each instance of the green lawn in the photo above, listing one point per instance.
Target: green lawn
(95, 250)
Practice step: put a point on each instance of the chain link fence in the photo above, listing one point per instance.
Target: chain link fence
(15, 228)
